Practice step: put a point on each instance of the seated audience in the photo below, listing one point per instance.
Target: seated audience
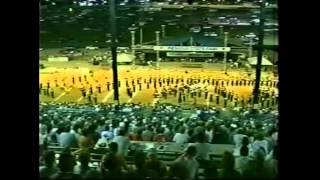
(228, 171)
(188, 161)
(49, 168)
(123, 143)
(181, 137)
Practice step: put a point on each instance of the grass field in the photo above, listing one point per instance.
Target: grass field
(61, 82)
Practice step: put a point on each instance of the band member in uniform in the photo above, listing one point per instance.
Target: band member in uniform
(108, 86)
(205, 93)
(91, 90)
(127, 82)
(211, 98)
(48, 93)
(171, 80)
(184, 97)
(48, 84)
(85, 77)
(79, 78)
(83, 91)
(89, 98)
(148, 85)
(164, 93)
(180, 97)
(134, 88)
(99, 88)
(140, 86)
(95, 98)
(175, 91)
(52, 92)
(160, 83)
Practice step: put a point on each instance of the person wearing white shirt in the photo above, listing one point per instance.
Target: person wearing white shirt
(245, 142)
(260, 145)
(123, 143)
(188, 161)
(242, 162)
(181, 137)
(237, 138)
(271, 162)
(203, 148)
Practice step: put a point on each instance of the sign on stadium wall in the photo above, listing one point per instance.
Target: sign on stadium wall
(191, 48)
(189, 54)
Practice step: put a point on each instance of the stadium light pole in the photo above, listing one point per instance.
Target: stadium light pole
(225, 52)
(221, 30)
(141, 35)
(133, 52)
(157, 52)
(250, 44)
(112, 10)
(163, 31)
(260, 53)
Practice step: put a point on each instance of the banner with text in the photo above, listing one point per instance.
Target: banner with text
(189, 54)
(191, 48)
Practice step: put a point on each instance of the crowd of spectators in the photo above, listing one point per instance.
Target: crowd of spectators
(253, 132)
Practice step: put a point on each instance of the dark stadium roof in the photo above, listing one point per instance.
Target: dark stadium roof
(198, 40)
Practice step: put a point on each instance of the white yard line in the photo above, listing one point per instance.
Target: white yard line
(80, 99)
(107, 96)
(62, 94)
(134, 94)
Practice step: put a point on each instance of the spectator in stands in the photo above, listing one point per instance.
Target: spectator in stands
(189, 162)
(66, 165)
(104, 140)
(228, 171)
(49, 169)
(237, 138)
(66, 138)
(169, 133)
(271, 163)
(241, 162)
(147, 135)
(42, 133)
(154, 164)
(260, 145)
(245, 142)
(92, 133)
(256, 169)
(178, 171)
(85, 142)
(141, 172)
(83, 169)
(203, 148)
(112, 164)
(191, 134)
(210, 131)
(211, 170)
(136, 135)
(76, 130)
(159, 136)
(123, 143)
(181, 137)
(107, 132)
